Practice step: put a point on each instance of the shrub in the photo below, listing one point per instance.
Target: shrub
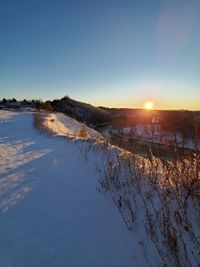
(47, 106)
(83, 132)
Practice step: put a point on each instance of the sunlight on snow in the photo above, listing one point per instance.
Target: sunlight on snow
(13, 159)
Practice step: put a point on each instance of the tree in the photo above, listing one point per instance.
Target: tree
(4, 101)
(47, 106)
(196, 132)
(66, 97)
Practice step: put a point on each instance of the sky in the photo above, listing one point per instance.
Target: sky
(114, 53)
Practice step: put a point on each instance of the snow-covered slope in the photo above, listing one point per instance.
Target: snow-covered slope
(63, 125)
(79, 202)
(51, 213)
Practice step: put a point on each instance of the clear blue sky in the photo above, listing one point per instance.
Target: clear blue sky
(106, 52)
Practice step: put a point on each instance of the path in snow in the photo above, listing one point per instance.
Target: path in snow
(50, 211)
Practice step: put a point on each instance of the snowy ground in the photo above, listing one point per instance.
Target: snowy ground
(51, 213)
(62, 125)
(71, 201)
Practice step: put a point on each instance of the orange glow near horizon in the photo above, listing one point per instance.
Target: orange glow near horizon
(148, 105)
(139, 103)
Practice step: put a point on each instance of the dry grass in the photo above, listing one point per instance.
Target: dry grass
(38, 121)
(169, 194)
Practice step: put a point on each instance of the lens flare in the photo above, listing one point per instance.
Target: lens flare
(148, 105)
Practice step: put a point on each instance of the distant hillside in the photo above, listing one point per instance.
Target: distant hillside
(81, 111)
(184, 123)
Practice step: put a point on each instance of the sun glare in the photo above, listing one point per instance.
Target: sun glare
(148, 105)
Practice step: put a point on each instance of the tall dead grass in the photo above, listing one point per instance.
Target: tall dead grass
(160, 198)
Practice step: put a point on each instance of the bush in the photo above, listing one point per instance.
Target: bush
(83, 131)
(47, 106)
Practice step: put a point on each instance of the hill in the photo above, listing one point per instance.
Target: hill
(81, 111)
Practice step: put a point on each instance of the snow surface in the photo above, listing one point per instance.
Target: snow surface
(51, 213)
(62, 125)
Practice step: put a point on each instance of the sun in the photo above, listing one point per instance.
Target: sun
(148, 105)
